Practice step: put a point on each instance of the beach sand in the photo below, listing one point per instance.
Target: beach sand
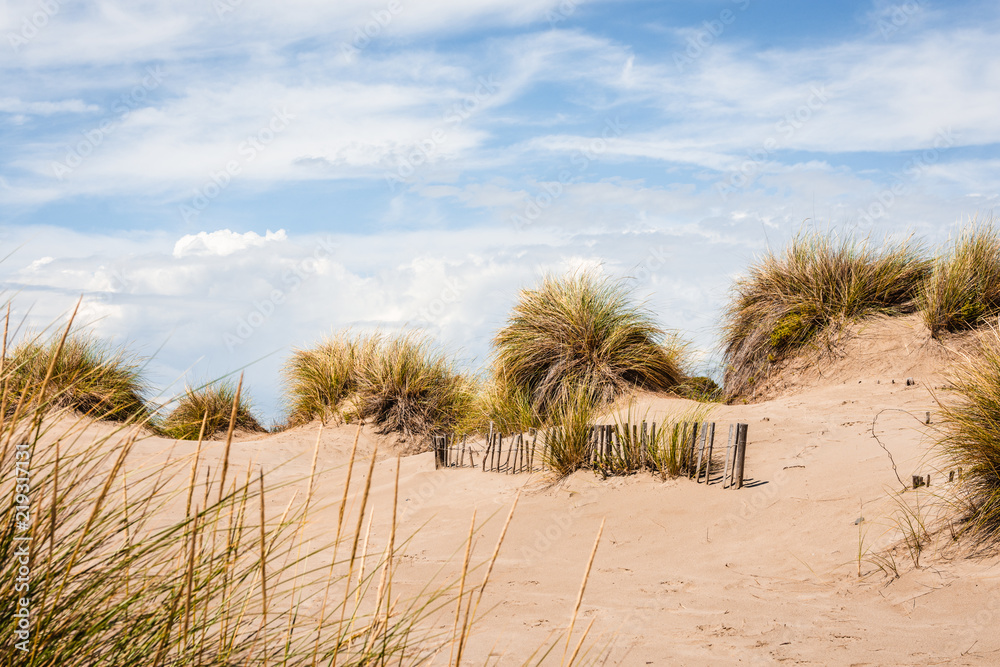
(686, 573)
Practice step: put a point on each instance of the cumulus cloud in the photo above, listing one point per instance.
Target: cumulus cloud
(223, 242)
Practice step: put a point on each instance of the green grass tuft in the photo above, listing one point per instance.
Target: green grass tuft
(509, 407)
(321, 378)
(567, 438)
(963, 288)
(700, 388)
(184, 421)
(583, 330)
(90, 376)
(817, 284)
(970, 434)
(405, 384)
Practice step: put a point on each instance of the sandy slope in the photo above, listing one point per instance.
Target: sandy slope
(691, 574)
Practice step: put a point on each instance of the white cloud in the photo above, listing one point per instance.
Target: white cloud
(14, 105)
(223, 242)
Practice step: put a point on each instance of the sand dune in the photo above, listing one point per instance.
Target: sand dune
(690, 574)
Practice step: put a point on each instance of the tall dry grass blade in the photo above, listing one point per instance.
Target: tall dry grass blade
(336, 545)
(312, 472)
(583, 587)
(354, 550)
(3, 374)
(229, 439)
(361, 570)
(263, 566)
(119, 462)
(456, 637)
(579, 644)
(189, 577)
(470, 618)
(194, 466)
(392, 544)
(164, 648)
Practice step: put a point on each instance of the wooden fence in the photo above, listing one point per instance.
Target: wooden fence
(623, 447)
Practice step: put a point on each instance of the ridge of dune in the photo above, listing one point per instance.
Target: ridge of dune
(881, 347)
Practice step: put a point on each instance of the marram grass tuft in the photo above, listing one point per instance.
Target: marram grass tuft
(401, 382)
(216, 399)
(963, 289)
(816, 285)
(89, 375)
(970, 434)
(584, 330)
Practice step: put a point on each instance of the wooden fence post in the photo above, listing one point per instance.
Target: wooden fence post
(741, 452)
(726, 478)
(701, 453)
(708, 460)
(534, 440)
(489, 443)
(689, 458)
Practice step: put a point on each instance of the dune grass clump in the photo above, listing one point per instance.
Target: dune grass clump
(507, 406)
(405, 384)
(584, 330)
(700, 388)
(89, 375)
(216, 399)
(970, 430)
(321, 378)
(401, 382)
(817, 284)
(963, 289)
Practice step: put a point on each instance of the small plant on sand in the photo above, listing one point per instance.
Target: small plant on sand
(567, 440)
(89, 376)
(700, 388)
(963, 288)
(584, 330)
(215, 399)
(815, 285)
(970, 435)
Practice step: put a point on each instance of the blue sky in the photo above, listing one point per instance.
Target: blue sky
(223, 181)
